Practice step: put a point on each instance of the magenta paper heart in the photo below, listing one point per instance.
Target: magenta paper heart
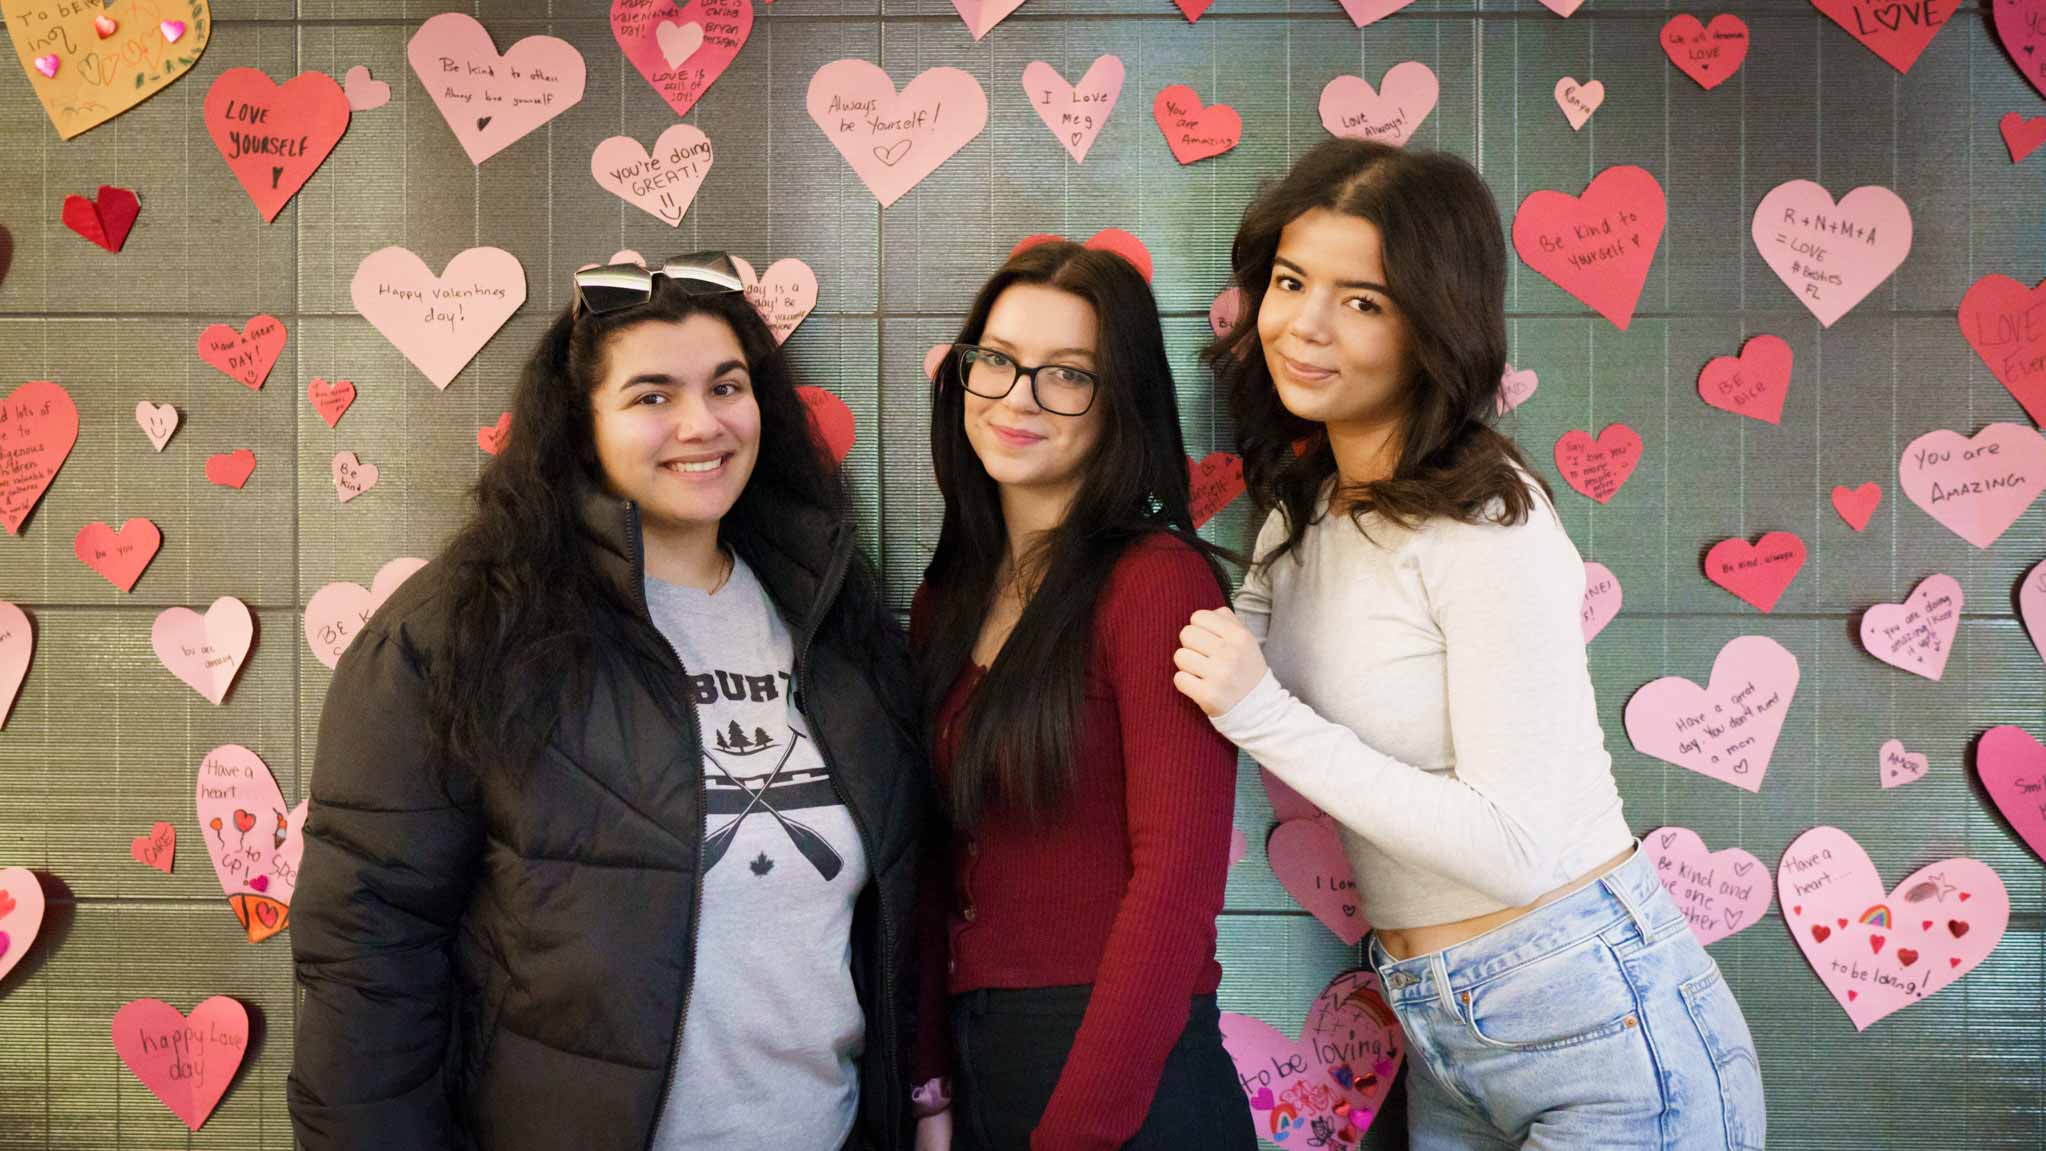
(1918, 634)
(1389, 114)
(662, 183)
(207, 652)
(893, 140)
(1307, 859)
(1754, 384)
(439, 322)
(1879, 952)
(2032, 606)
(784, 296)
(1075, 113)
(365, 93)
(254, 841)
(1227, 311)
(1720, 892)
(1979, 486)
(1599, 246)
(338, 611)
(21, 915)
(185, 1061)
(1287, 804)
(1516, 387)
(1897, 767)
(2005, 322)
(681, 49)
(2013, 769)
(1602, 599)
(1832, 256)
(2021, 25)
(17, 643)
(490, 101)
(1726, 730)
(1328, 1085)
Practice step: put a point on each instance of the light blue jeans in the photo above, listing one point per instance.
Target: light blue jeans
(1595, 1022)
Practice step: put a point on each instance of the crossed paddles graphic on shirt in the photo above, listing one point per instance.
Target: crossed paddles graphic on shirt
(813, 846)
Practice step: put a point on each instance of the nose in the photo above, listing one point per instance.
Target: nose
(1022, 397)
(1309, 322)
(693, 418)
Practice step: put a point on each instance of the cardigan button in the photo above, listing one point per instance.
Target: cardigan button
(973, 848)
(967, 914)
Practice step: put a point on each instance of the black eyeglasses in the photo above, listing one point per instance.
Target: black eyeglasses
(1057, 388)
(610, 287)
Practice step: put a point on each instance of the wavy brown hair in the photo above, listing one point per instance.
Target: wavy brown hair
(1445, 265)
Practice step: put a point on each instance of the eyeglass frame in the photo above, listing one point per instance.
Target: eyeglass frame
(959, 352)
(706, 273)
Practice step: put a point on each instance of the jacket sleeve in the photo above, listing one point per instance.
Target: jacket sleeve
(389, 863)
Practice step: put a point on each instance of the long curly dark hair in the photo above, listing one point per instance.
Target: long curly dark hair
(531, 618)
(1445, 262)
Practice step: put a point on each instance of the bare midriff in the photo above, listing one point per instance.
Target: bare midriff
(1405, 943)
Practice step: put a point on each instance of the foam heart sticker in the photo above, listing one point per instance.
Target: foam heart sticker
(231, 469)
(1579, 101)
(158, 849)
(1214, 481)
(893, 140)
(1075, 113)
(104, 76)
(1516, 387)
(38, 427)
(185, 1061)
(1829, 255)
(17, 644)
(104, 221)
(2005, 322)
(491, 101)
(1599, 468)
(2021, 26)
(1755, 384)
(492, 438)
(1602, 599)
(1879, 952)
(662, 182)
(338, 611)
(157, 421)
(2012, 765)
(120, 555)
(439, 322)
(1114, 240)
(255, 842)
(1598, 246)
(365, 94)
(1979, 486)
(1726, 730)
(785, 296)
(1758, 573)
(1390, 113)
(1856, 505)
(2021, 136)
(2032, 606)
(1896, 767)
(274, 137)
(1720, 892)
(351, 476)
(1329, 1085)
(247, 355)
(831, 419)
(983, 15)
(1897, 32)
(21, 915)
(1918, 634)
(1362, 12)
(681, 49)
(331, 399)
(1708, 53)
(208, 651)
(1307, 859)
(1194, 132)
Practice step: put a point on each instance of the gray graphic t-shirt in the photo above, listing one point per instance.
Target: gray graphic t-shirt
(771, 1044)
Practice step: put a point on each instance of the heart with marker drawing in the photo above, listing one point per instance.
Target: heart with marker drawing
(1328, 1085)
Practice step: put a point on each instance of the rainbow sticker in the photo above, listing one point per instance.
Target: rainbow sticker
(1877, 916)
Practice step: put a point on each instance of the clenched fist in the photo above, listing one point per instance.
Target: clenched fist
(1218, 661)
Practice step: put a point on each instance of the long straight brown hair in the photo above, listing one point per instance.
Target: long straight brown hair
(1445, 266)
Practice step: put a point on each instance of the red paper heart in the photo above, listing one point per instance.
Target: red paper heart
(1106, 240)
(2005, 322)
(1856, 505)
(158, 849)
(1599, 469)
(1193, 9)
(830, 417)
(2022, 136)
(1708, 53)
(119, 556)
(1875, 944)
(492, 439)
(1897, 32)
(1191, 131)
(1599, 246)
(274, 136)
(1756, 573)
(1215, 481)
(1755, 384)
(231, 469)
(331, 400)
(105, 222)
(41, 425)
(247, 355)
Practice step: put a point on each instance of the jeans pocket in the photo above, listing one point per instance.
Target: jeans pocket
(1572, 996)
(1724, 1030)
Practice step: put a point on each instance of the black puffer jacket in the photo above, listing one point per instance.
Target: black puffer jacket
(499, 965)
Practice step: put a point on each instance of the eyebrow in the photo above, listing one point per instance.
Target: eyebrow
(1372, 285)
(660, 378)
(997, 340)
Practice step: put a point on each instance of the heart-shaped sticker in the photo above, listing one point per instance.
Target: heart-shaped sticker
(1976, 486)
(492, 438)
(893, 140)
(1755, 384)
(439, 322)
(365, 94)
(158, 849)
(231, 469)
(1856, 505)
(1516, 387)
(1579, 100)
(1897, 32)
(1116, 240)
(2022, 135)
(17, 645)
(1214, 482)
(831, 419)
(1708, 53)
(2012, 766)
(1829, 255)
(2032, 606)
(1602, 599)
(1598, 246)
(2005, 322)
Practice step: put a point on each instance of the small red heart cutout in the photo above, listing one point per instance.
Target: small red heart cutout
(231, 470)
(1875, 944)
(492, 439)
(106, 222)
(1953, 961)
(1852, 995)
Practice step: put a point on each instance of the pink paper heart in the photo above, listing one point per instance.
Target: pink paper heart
(157, 421)
(1708, 53)
(364, 93)
(2022, 135)
(1516, 387)
(1563, 8)
(1726, 730)
(1307, 858)
(1363, 12)
(1918, 634)
(158, 849)
(1192, 131)
(983, 15)
(662, 183)
(121, 555)
(893, 140)
(1602, 599)
(1759, 573)
(21, 915)
(254, 841)
(185, 1061)
(491, 101)
(338, 611)
(207, 652)
(1389, 114)
(247, 355)
(1753, 385)
(1896, 32)
(351, 476)
(934, 359)
(1336, 1076)
(439, 322)
(1976, 486)
(1876, 955)
(1579, 101)
(2032, 606)
(1215, 481)
(2005, 322)
(1599, 468)
(1286, 803)
(680, 64)
(1831, 256)
(1599, 246)
(41, 428)
(1720, 892)
(17, 644)
(1896, 767)
(785, 296)
(1075, 113)
(2021, 26)
(2012, 766)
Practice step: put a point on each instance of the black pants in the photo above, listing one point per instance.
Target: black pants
(1012, 1045)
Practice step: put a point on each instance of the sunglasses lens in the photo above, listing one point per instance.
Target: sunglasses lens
(611, 297)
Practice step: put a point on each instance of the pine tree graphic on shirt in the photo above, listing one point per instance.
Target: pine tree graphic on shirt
(771, 796)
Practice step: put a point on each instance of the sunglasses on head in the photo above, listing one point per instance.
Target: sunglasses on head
(611, 287)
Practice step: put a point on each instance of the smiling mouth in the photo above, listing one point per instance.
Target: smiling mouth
(1305, 371)
(695, 467)
(1014, 436)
